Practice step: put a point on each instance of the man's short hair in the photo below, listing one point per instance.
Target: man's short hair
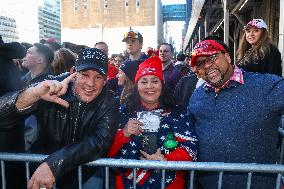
(170, 45)
(45, 51)
(101, 43)
(180, 57)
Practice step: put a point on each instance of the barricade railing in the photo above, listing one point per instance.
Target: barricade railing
(249, 168)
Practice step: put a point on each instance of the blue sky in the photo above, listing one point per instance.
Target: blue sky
(175, 28)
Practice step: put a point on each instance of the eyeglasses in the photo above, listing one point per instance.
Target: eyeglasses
(131, 34)
(208, 60)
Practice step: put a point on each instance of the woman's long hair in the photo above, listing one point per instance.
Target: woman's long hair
(132, 101)
(127, 88)
(246, 52)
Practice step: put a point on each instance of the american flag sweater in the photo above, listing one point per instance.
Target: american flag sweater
(175, 122)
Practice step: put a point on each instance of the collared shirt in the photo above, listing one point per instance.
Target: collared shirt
(171, 76)
(236, 77)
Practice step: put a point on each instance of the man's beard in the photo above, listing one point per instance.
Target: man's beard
(217, 83)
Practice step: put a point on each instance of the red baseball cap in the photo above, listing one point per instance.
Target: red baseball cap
(205, 48)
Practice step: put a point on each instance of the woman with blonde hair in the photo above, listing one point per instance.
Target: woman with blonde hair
(256, 53)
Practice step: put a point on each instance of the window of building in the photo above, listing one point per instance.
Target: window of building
(137, 3)
(75, 5)
(105, 6)
(126, 3)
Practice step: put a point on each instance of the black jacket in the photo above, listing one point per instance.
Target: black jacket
(11, 130)
(184, 89)
(271, 63)
(72, 136)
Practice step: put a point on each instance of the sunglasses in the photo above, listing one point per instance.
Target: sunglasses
(208, 60)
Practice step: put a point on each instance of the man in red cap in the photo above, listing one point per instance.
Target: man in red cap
(236, 116)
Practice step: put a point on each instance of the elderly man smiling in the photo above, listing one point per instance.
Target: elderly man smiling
(236, 116)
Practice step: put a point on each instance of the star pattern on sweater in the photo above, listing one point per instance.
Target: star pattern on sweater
(168, 180)
(124, 151)
(165, 126)
(151, 180)
(187, 133)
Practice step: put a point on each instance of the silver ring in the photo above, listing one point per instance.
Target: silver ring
(42, 187)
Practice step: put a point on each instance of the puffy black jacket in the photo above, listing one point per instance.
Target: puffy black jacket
(72, 136)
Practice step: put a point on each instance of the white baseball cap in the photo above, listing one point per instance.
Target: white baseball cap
(256, 23)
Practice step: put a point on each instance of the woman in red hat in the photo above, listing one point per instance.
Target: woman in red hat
(256, 53)
(152, 127)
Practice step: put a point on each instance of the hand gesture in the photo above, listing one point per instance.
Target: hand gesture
(133, 127)
(51, 90)
(42, 177)
(156, 156)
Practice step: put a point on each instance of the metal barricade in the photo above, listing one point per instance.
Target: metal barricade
(249, 168)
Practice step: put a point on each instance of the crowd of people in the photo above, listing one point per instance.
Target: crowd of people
(77, 104)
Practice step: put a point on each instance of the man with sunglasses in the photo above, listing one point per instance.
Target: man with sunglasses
(236, 116)
(134, 43)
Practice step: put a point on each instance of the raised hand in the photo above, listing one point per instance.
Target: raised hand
(133, 127)
(51, 90)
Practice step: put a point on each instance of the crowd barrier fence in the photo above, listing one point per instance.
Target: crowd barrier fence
(192, 167)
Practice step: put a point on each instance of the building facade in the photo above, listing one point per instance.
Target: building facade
(8, 29)
(33, 20)
(86, 22)
(49, 20)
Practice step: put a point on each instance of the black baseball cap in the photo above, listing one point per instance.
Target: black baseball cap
(92, 58)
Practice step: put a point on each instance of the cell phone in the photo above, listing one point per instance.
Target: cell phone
(151, 125)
